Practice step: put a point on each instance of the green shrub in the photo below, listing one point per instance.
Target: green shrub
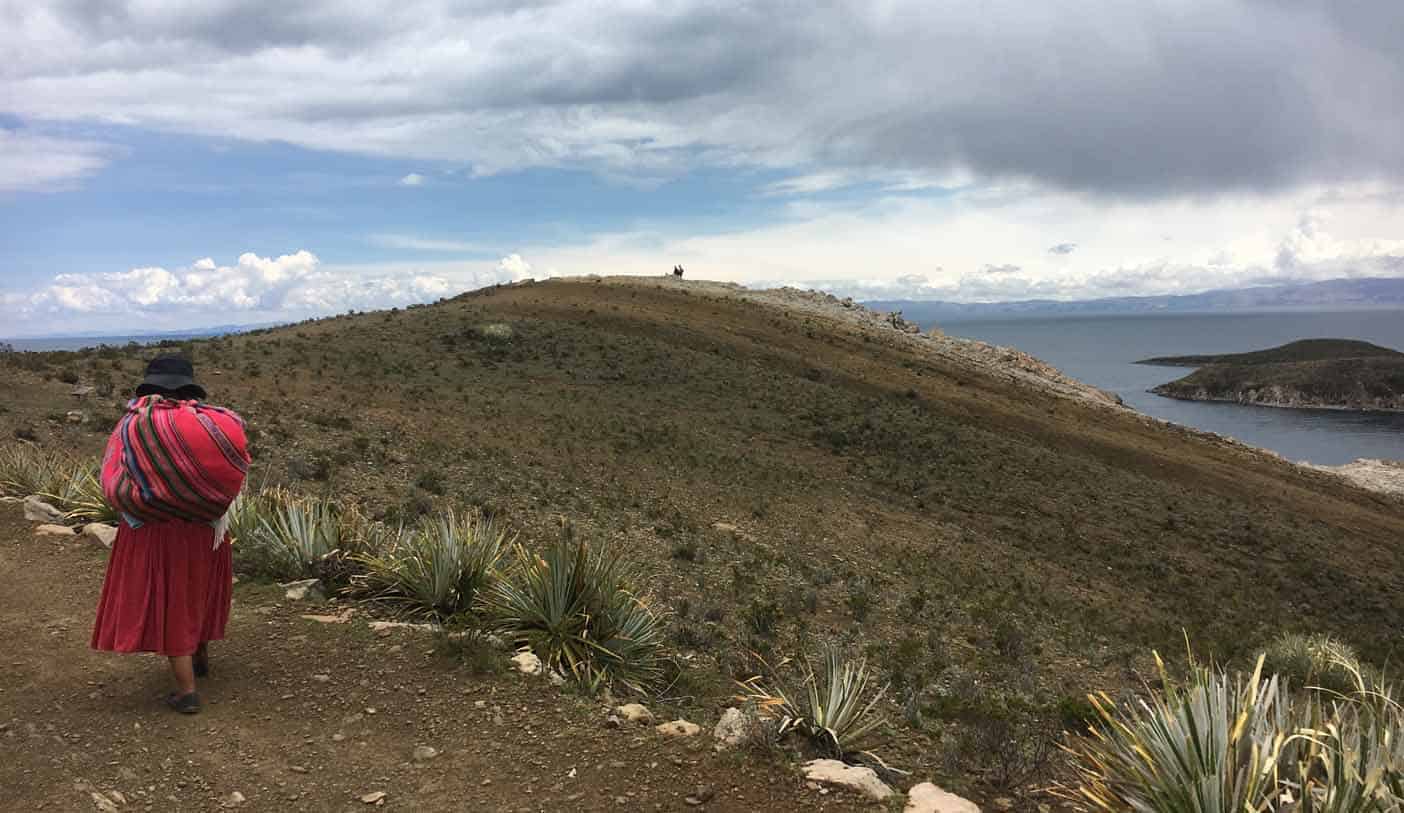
(575, 608)
(834, 706)
(436, 569)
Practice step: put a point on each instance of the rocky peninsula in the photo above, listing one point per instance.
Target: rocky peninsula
(1307, 374)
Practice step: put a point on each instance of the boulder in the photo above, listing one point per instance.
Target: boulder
(527, 663)
(53, 530)
(102, 534)
(927, 798)
(734, 728)
(36, 510)
(679, 728)
(303, 590)
(851, 777)
(634, 713)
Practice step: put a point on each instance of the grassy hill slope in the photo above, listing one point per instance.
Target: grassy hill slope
(787, 475)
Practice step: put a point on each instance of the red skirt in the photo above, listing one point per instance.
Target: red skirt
(166, 590)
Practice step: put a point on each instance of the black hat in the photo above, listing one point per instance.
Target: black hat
(171, 375)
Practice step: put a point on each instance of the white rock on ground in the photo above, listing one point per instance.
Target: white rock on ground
(526, 662)
(53, 530)
(102, 534)
(303, 590)
(927, 798)
(852, 777)
(679, 728)
(634, 713)
(36, 510)
(424, 753)
(734, 728)
(387, 626)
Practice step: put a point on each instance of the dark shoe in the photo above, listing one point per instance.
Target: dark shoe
(184, 703)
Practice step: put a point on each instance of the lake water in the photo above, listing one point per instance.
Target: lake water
(1099, 350)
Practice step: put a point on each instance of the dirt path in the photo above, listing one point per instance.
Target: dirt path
(301, 715)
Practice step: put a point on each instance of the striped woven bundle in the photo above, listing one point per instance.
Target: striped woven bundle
(175, 460)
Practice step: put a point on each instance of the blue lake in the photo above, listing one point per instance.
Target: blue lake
(1100, 350)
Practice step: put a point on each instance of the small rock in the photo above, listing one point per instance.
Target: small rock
(851, 777)
(700, 796)
(234, 799)
(1004, 803)
(76, 416)
(321, 678)
(297, 769)
(527, 663)
(424, 753)
(338, 737)
(927, 798)
(81, 391)
(36, 510)
(103, 803)
(303, 590)
(612, 721)
(734, 728)
(557, 679)
(102, 534)
(678, 728)
(53, 530)
(634, 713)
(374, 798)
(386, 627)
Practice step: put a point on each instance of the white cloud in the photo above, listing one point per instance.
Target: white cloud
(514, 267)
(412, 179)
(42, 163)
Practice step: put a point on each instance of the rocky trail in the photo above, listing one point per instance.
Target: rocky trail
(302, 715)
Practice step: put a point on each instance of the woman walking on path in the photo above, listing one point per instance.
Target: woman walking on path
(173, 467)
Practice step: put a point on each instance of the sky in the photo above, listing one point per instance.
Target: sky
(167, 164)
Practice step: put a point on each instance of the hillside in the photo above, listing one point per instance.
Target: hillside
(997, 538)
(1292, 352)
(1314, 373)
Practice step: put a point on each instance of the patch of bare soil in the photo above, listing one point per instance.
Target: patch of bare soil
(1385, 476)
(307, 716)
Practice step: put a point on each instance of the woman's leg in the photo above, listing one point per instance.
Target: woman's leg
(183, 671)
(201, 660)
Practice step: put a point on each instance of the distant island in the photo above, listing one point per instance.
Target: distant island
(1309, 374)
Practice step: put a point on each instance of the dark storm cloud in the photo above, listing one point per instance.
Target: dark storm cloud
(1109, 98)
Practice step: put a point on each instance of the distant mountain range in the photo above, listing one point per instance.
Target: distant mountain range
(1343, 294)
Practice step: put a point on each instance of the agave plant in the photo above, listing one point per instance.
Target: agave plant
(573, 606)
(285, 537)
(1211, 743)
(835, 706)
(80, 497)
(27, 469)
(436, 569)
(1216, 742)
(1317, 662)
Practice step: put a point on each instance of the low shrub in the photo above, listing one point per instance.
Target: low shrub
(576, 608)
